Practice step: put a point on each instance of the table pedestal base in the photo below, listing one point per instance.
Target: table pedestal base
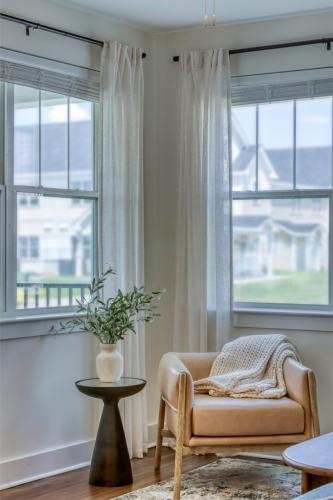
(110, 465)
(313, 481)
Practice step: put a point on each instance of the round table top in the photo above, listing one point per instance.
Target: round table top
(314, 456)
(126, 386)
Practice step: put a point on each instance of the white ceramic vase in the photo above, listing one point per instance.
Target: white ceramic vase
(109, 363)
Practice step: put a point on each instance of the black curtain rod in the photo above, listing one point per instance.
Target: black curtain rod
(31, 25)
(316, 41)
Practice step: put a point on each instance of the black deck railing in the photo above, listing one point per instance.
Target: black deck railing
(51, 294)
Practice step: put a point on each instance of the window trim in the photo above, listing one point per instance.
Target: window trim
(8, 199)
(2, 252)
(244, 309)
(281, 319)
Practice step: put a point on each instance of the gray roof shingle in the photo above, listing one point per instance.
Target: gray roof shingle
(313, 165)
(256, 221)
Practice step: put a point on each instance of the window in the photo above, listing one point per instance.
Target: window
(27, 248)
(50, 199)
(282, 204)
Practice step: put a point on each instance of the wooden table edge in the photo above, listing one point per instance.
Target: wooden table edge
(316, 471)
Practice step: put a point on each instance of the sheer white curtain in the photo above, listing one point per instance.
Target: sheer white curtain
(122, 207)
(203, 269)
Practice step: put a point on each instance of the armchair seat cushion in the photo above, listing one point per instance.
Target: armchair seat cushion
(223, 416)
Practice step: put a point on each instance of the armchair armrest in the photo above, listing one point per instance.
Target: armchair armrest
(176, 374)
(177, 391)
(170, 369)
(301, 387)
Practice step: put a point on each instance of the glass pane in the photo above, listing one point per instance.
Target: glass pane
(314, 143)
(54, 250)
(275, 155)
(26, 136)
(54, 134)
(81, 144)
(280, 250)
(244, 147)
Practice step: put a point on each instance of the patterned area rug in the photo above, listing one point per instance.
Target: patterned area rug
(229, 478)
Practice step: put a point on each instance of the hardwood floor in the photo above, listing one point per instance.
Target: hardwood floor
(74, 485)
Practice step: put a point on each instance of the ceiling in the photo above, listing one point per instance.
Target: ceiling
(175, 14)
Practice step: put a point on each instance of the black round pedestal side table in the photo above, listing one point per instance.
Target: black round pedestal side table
(110, 464)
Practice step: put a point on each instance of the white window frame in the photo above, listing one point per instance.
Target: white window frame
(280, 315)
(44, 316)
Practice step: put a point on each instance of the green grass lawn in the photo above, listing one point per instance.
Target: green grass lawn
(295, 288)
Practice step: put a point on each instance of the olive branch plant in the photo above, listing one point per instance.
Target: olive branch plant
(111, 319)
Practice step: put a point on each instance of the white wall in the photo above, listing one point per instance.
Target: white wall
(56, 47)
(45, 423)
(162, 166)
(40, 408)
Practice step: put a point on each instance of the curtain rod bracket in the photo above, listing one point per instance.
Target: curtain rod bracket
(29, 27)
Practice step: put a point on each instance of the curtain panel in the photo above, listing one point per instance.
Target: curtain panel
(121, 211)
(203, 292)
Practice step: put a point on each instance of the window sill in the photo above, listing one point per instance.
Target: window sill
(283, 319)
(34, 325)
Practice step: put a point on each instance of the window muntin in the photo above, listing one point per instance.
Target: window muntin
(282, 190)
(51, 200)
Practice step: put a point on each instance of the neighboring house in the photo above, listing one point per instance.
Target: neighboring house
(54, 233)
(275, 168)
(264, 247)
(57, 247)
(266, 241)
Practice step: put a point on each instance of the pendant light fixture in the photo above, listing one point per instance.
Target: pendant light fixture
(206, 15)
(214, 14)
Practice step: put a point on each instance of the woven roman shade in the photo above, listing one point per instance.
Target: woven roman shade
(40, 78)
(259, 89)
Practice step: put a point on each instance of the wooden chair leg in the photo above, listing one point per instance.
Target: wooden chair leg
(313, 404)
(159, 438)
(179, 437)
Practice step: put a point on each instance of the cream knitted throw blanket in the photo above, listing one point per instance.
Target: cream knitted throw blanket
(249, 367)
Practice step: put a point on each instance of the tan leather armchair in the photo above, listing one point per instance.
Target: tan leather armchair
(204, 424)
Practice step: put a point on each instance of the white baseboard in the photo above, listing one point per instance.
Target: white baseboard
(48, 463)
(266, 456)
(52, 462)
(152, 430)
(59, 460)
